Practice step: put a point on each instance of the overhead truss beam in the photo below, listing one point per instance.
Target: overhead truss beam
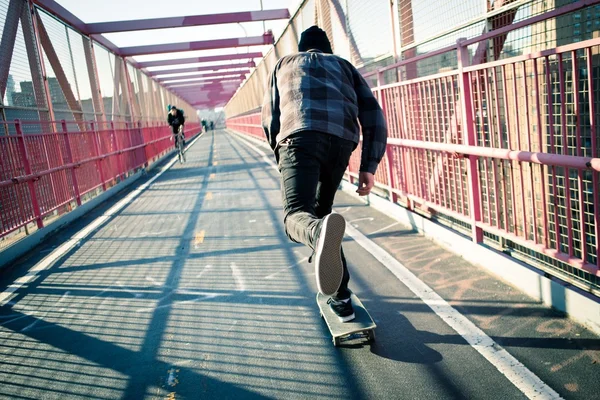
(186, 78)
(193, 20)
(265, 39)
(193, 60)
(249, 64)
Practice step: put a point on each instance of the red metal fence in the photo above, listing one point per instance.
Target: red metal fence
(43, 173)
(509, 148)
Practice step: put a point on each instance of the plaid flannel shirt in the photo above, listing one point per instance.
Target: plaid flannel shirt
(313, 91)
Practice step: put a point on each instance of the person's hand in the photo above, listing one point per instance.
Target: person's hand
(366, 181)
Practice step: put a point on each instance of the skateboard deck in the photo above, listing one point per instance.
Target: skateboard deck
(361, 327)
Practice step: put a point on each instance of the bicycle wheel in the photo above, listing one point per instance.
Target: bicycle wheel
(181, 152)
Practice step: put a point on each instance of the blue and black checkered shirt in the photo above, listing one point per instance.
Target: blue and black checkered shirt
(313, 91)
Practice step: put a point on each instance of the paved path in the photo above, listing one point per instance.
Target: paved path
(192, 290)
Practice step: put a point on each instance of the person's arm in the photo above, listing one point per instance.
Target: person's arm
(372, 122)
(374, 130)
(270, 110)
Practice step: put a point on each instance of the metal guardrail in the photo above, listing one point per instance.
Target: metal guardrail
(42, 173)
(508, 148)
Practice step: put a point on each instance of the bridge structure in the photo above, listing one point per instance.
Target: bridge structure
(125, 274)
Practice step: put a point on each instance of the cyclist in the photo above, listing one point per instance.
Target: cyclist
(176, 120)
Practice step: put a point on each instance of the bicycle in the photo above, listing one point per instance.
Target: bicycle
(180, 149)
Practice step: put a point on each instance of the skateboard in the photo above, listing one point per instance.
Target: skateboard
(361, 327)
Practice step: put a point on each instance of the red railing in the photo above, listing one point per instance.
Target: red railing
(44, 172)
(510, 148)
(526, 132)
(248, 123)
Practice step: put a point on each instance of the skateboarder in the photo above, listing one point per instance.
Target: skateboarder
(311, 112)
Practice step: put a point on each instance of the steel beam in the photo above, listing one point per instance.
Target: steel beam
(213, 98)
(116, 107)
(106, 43)
(249, 64)
(200, 93)
(193, 20)
(220, 86)
(193, 60)
(62, 13)
(264, 39)
(52, 7)
(174, 84)
(211, 104)
(185, 92)
(239, 72)
(210, 81)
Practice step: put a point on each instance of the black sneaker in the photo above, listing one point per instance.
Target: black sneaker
(342, 308)
(329, 269)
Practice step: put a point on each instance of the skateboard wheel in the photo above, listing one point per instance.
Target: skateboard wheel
(336, 342)
(371, 336)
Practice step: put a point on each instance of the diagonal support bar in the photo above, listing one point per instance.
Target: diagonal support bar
(7, 45)
(36, 65)
(193, 60)
(92, 67)
(58, 69)
(194, 20)
(265, 39)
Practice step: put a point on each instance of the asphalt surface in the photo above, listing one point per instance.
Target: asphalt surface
(194, 291)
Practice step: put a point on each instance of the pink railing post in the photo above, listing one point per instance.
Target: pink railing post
(98, 154)
(63, 124)
(469, 135)
(126, 145)
(25, 160)
(121, 171)
(390, 176)
(388, 151)
(142, 135)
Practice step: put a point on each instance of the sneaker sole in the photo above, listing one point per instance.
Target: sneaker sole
(347, 318)
(328, 264)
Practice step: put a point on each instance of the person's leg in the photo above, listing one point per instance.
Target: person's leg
(301, 159)
(299, 166)
(330, 178)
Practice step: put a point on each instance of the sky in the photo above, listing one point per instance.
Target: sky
(363, 15)
(114, 10)
(117, 10)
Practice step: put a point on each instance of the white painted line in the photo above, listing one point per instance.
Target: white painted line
(520, 376)
(370, 219)
(206, 268)
(517, 373)
(273, 275)
(238, 278)
(47, 261)
(384, 228)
